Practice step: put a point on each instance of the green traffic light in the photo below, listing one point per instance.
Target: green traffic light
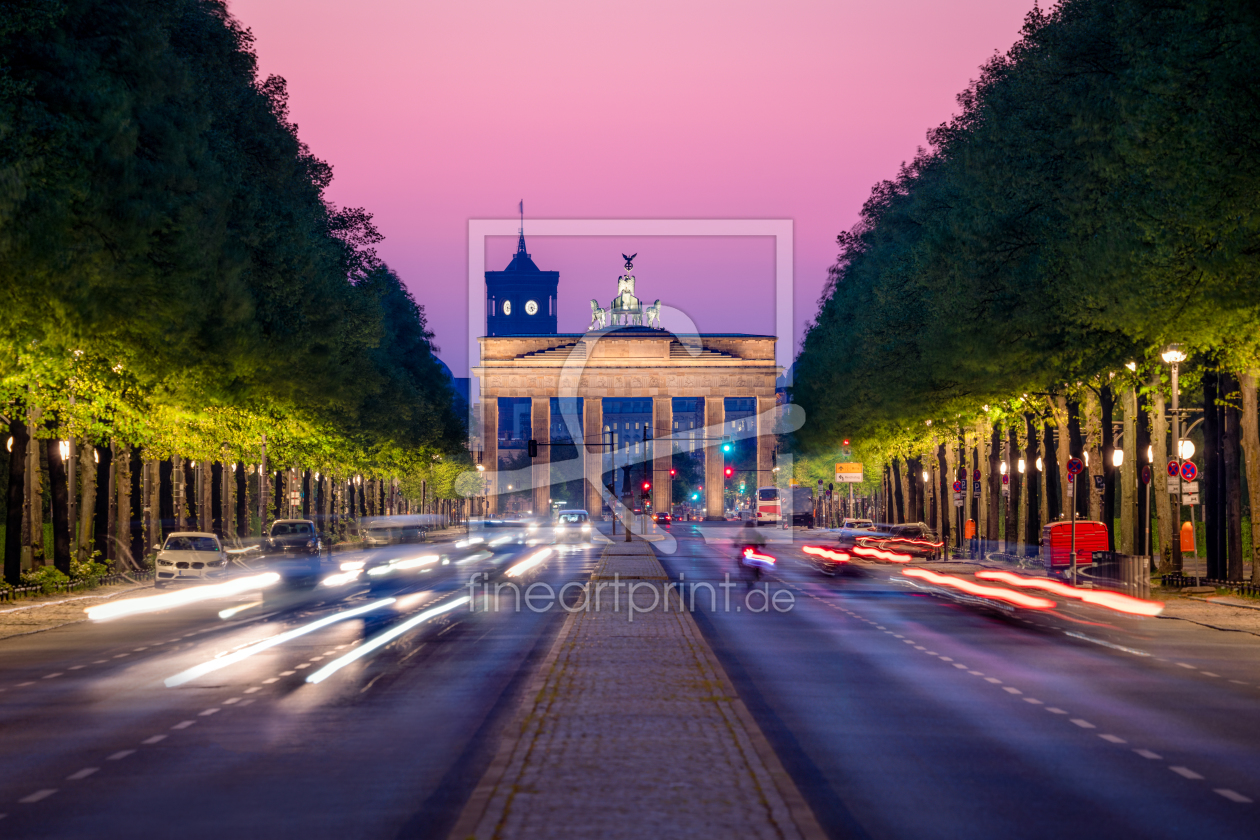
(726, 447)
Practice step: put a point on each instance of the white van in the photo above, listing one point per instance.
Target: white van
(769, 505)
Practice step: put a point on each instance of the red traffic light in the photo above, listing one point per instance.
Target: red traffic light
(846, 441)
(730, 471)
(647, 485)
(673, 473)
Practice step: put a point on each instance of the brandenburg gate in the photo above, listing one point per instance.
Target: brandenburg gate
(627, 359)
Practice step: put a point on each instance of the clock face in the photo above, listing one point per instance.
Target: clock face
(507, 307)
(531, 308)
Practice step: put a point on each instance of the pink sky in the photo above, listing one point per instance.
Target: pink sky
(432, 113)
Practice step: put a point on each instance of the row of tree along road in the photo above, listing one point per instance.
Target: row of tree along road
(1011, 295)
(179, 291)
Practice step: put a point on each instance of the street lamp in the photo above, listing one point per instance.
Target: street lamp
(1117, 457)
(1021, 465)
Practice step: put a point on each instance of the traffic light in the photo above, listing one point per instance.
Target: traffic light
(647, 485)
(729, 471)
(533, 448)
(672, 472)
(695, 496)
(726, 443)
(741, 487)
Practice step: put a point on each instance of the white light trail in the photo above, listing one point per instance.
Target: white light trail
(245, 653)
(169, 600)
(383, 639)
(528, 563)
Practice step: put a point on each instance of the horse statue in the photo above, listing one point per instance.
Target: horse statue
(653, 313)
(626, 308)
(599, 316)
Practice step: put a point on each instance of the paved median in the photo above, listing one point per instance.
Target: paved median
(631, 728)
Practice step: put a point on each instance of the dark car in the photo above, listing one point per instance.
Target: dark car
(662, 518)
(913, 538)
(870, 535)
(292, 549)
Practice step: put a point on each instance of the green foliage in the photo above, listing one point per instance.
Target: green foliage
(1095, 199)
(47, 578)
(173, 275)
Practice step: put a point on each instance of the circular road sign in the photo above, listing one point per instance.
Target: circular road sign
(975, 476)
(1146, 474)
(1189, 471)
(958, 486)
(1075, 465)
(1174, 469)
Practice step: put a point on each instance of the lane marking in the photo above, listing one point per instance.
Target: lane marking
(1115, 739)
(1083, 724)
(120, 755)
(303, 665)
(1238, 682)
(207, 712)
(1052, 710)
(100, 662)
(946, 659)
(1034, 701)
(287, 673)
(1148, 754)
(153, 739)
(37, 796)
(25, 684)
(993, 680)
(121, 655)
(231, 700)
(1010, 690)
(183, 724)
(252, 690)
(75, 667)
(976, 673)
(1204, 673)
(1184, 772)
(1184, 665)
(50, 676)
(137, 650)
(1231, 795)
(271, 680)
(82, 774)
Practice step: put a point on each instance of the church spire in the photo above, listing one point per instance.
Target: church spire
(520, 245)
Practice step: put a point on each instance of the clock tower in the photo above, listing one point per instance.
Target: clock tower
(521, 299)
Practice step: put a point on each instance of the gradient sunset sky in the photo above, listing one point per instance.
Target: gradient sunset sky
(434, 113)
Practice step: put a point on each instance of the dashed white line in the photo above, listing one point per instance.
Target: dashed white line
(121, 655)
(252, 690)
(137, 650)
(25, 684)
(1209, 674)
(1083, 724)
(1184, 665)
(82, 774)
(1148, 754)
(946, 659)
(1052, 710)
(1115, 739)
(960, 665)
(1231, 795)
(231, 700)
(153, 739)
(120, 755)
(1010, 690)
(51, 676)
(1034, 701)
(270, 680)
(37, 796)
(75, 667)
(287, 673)
(1184, 772)
(183, 724)
(303, 665)
(993, 680)
(1238, 682)
(208, 712)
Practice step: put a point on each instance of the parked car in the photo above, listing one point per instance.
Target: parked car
(662, 518)
(189, 556)
(292, 549)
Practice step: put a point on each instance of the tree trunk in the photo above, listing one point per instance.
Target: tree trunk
(993, 483)
(1233, 482)
(241, 477)
(122, 510)
(1250, 441)
(87, 500)
(15, 498)
(104, 503)
(898, 489)
(1045, 482)
(1093, 446)
(1062, 452)
(1110, 473)
(1142, 527)
(1170, 560)
(1128, 474)
(60, 491)
(945, 494)
(1210, 477)
(34, 528)
(138, 504)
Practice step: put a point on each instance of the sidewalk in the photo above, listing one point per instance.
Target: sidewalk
(632, 729)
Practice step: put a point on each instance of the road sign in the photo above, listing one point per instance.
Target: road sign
(975, 476)
(1190, 499)
(1174, 468)
(1074, 466)
(1189, 487)
(850, 473)
(1006, 479)
(975, 487)
(958, 486)
(1099, 482)
(1071, 480)
(1174, 485)
(1189, 470)
(958, 503)
(958, 497)
(1146, 474)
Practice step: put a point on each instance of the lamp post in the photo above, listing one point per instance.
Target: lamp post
(1173, 356)
(481, 468)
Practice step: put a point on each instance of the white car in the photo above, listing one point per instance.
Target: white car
(189, 556)
(573, 525)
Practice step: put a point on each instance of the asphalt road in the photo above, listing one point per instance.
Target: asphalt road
(901, 714)
(95, 742)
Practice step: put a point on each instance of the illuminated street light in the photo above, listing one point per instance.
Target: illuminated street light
(1186, 449)
(1117, 457)
(926, 477)
(1021, 466)
(1002, 468)
(1173, 355)
(1040, 466)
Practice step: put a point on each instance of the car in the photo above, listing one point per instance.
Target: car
(865, 533)
(914, 538)
(573, 525)
(189, 556)
(857, 523)
(662, 518)
(292, 549)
